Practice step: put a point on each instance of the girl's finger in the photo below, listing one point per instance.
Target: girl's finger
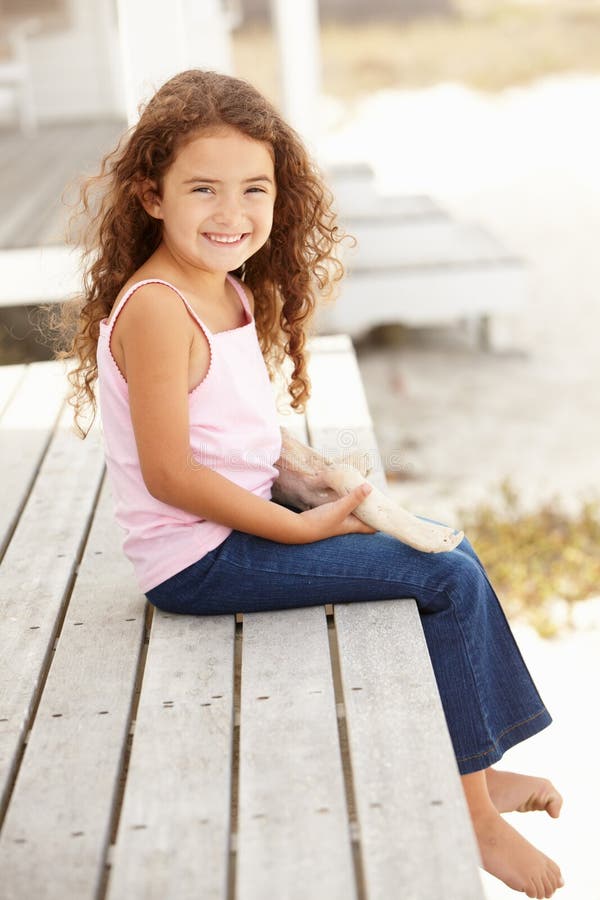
(355, 496)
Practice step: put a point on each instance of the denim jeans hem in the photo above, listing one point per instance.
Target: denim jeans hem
(511, 736)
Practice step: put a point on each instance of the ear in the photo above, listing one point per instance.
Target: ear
(150, 198)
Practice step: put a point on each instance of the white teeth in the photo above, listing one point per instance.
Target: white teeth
(224, 239)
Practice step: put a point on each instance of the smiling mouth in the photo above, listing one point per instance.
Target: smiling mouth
(224, 240)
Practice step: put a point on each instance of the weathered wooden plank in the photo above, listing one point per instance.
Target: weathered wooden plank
(293, 421)
(362, 203)
(50, 533)
(31, 184)
(25, 428)
(356, 195)
(384, 243)
(338, 398)
(38, 275)
(285, 847)
(58, 825)
(10, 378)
(293, 833)
(35, 171)
(422, 297)
(415, 832)
(12, 144)
(84, 158)
(173, 839)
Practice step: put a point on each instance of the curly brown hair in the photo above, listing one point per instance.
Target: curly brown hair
(296, 266)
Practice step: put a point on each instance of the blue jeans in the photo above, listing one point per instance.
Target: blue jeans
(489, 699)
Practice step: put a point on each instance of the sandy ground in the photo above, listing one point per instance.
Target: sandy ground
(525, 164)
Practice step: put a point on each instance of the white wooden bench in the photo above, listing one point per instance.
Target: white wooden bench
(300, 754)
(417, 266)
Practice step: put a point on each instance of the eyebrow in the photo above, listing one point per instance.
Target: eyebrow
(198, 178)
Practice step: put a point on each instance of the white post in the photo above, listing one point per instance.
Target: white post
(297, 27)
(153, 47)
(159, 39)
(208, 27)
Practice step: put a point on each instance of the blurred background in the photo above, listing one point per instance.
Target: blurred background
(461, 139)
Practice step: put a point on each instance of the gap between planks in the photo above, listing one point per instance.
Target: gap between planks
(348, 779)
(118, 803)
(235, 755)
(353, 825)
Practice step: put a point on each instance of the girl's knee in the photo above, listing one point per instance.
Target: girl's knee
(462, 573)
(465, 546)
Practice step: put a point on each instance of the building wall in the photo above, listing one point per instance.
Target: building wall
(71, 54)
(75, 57)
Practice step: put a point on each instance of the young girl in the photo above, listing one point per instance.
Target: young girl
(211, 237)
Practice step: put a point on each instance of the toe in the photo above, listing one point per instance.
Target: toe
(549, 887)
(554, 805)
(551, 799)
(555, 873)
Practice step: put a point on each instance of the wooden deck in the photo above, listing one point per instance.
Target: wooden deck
(300, 754)
(34, 172)
(39, 175)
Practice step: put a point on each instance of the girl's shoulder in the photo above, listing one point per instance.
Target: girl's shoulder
(138, 280)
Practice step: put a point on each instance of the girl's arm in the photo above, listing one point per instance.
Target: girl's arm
(204, 492)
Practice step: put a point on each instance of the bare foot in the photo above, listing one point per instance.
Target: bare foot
(511, 792)
(508, 856)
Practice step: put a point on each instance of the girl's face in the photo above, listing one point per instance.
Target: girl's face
(217, 200)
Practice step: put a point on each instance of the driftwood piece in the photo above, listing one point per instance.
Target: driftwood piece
(307, 479)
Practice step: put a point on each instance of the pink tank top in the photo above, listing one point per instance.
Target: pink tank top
(233, 429)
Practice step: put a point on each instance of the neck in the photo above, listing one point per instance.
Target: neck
(165, 264)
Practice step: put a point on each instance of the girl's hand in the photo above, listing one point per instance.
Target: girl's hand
(335, 517)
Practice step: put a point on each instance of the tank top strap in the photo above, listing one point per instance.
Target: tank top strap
(242, 295)
(138, 284)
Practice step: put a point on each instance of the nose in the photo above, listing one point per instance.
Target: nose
(228, 211)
